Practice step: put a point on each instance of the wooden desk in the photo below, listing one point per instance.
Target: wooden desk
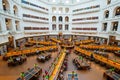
(107, 61)
(42, 42)
(100, 58)
(102, 47)
(17, 60)
(81, 64)
(55, 72)
(28, 51)
(111, 75)
(32, 74)
(55, 40)
(84, 42)
(67, 47)
(44, 57)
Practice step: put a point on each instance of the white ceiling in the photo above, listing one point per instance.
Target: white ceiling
(64, 2)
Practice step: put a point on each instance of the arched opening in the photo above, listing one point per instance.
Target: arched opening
(66, 19)
(8, 23)
(60, 26)
(106, 14)
(17, 25)
(6, 5)
(60, 10)
(117, 11)
(108, 2)
(114, 26)
(15, 10)
(54, 9)
(54, 19)
(60, 18)
(66, 27)
(104, 26)
(54, 27)
(66, 10)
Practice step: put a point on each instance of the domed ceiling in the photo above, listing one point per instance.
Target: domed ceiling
(64, 2)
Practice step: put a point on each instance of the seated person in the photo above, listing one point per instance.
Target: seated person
(42, 57)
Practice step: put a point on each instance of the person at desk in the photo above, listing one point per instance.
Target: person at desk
(73, 75)
(37, 52)
(17, 58)
(22, 74)
(35, 66)
(42, 57)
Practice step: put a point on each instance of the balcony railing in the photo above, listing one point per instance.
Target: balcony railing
(9, 12)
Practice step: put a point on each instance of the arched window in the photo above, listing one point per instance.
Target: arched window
(54, 19)
(66, 27)
(54, 27)
(106, 14)
(15, 9)
(104, 26)
(108, 1)
(117, 11)
(66, 19)
(60, 10)
(8, 23)
(54, 9)
(60, 26)
(6, 6)
(115, 26)
(60, 18)
(66, 10)
(17, 24)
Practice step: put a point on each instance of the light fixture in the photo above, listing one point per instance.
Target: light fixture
(67, 1)
(54, 11)
(53, 0)
(59, 12)
(78, 0)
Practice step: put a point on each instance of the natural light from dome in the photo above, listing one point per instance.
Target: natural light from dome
(64, 2)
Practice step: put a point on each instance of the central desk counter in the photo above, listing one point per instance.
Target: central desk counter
(42, 42)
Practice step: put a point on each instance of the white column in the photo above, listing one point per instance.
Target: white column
(3, 25)
(63, 27)
(11, 7)
(13, 25)
(109, 26)
(1, 6)
(57, 27)
(118, 30)
(14, 29)
(21, 26)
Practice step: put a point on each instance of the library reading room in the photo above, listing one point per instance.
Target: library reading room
(59, 39)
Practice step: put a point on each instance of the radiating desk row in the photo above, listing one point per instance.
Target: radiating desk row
(29, 51)
(103, 47)
(100, 58)
(57, 66)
